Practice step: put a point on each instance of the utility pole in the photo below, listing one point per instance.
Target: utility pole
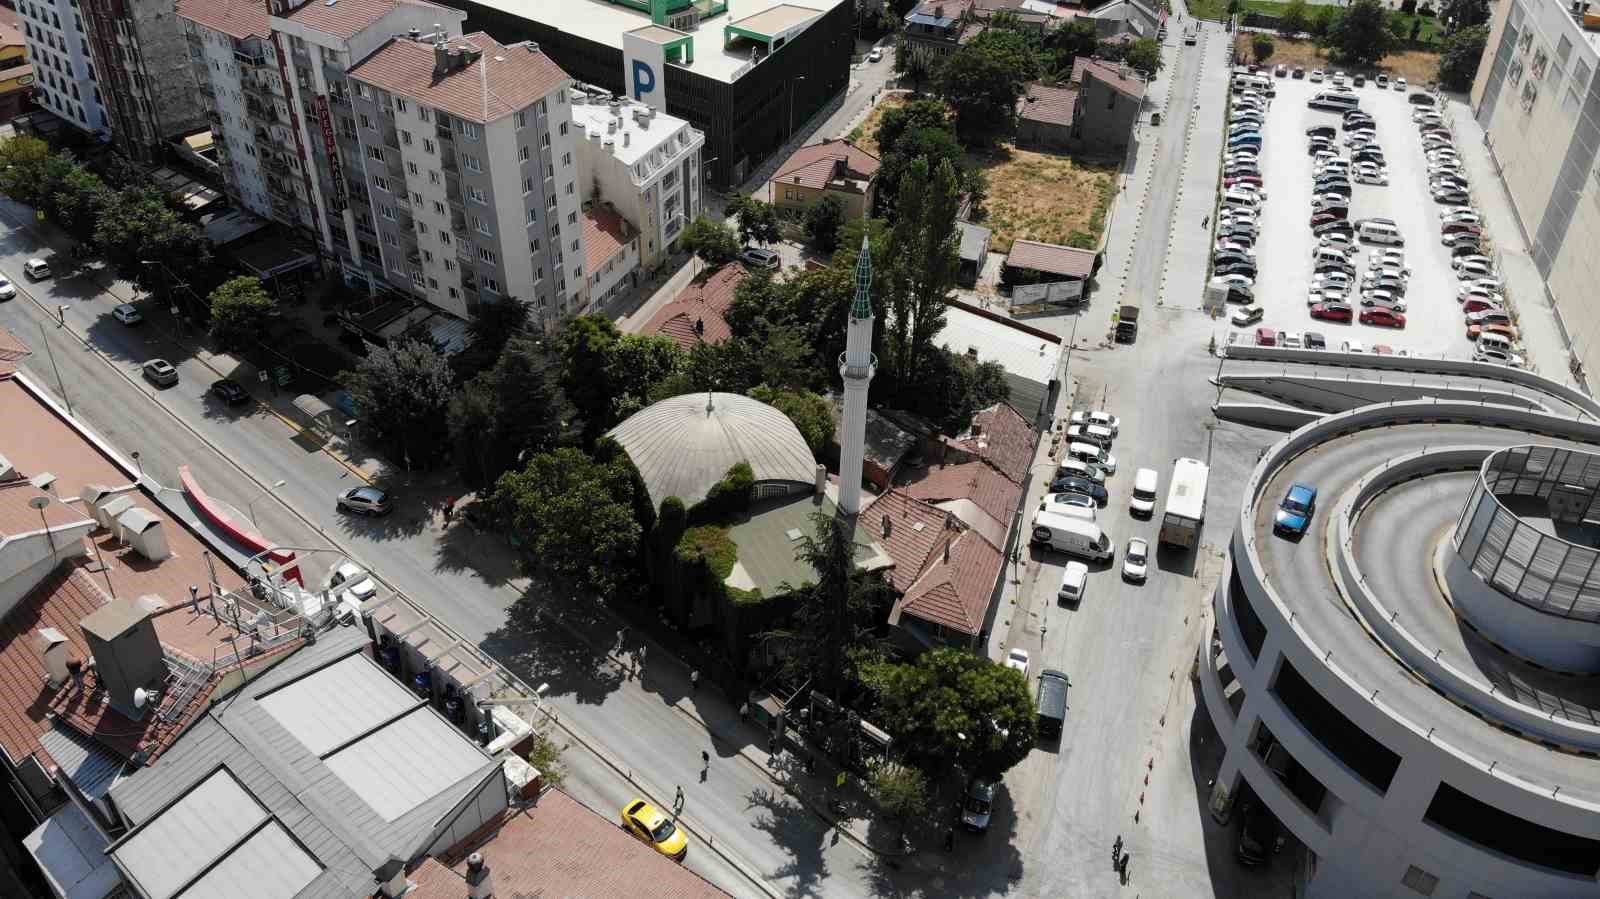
(60, 386)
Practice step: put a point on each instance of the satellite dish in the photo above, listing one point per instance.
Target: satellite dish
(141, 698)
(38, 502)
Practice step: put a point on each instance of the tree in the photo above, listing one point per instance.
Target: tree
(1066, 42)
(23, 170)
(137, 225)
(1408, 7)
(402, 393)
(514, 408)
(1262, 46)
(957, 708)
(492, 326)
(1465, 13)
(758, 221)
(811, 414)
(911, 65)
(822, 223)
(240, 309)
(1360, 35)
(900, 790)
(635, 363)
(953, 387)
(1294, 20)
(831, 634)
(1416, 28)
(75, 205)
(1323, 23)
(1458, 63)
(935, 144)
(545, 757)
(1144, 55)
(575, 515)
(924, 257)
(898, 120)
(982, 81)
(714, 243)
(607, 375)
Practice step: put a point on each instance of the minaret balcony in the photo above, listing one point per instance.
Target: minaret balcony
(848, 371)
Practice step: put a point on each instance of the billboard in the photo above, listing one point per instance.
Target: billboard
(325, 119)
(1060, 293)
(644, 69)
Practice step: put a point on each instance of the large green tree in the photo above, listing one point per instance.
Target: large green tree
(1360, 35)
(576, 515)
(757, 219)
(514, 408)
(76, 202)
(982, 81)
(1294, 20)
(923, 250)
(897, 120)
(956, 707)
(831, 635)
(1144, 54)
(1464, 13)
(240, 310)
(1262, 47)
(918, 142)
(146, 241)
(1458, 63)
(714, 243)
(1066, 42)
(811, 414)
(608, 375)
(488, 331)
(402, 393)
(823, 220)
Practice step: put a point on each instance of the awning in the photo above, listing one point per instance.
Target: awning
(313, 408)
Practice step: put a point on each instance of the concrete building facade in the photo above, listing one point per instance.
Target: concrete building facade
(228, 48)
(1538, 102)
(58, 44)
(645, 164)
(142, 62)
(833, 168)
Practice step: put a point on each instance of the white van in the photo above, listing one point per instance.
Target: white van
(1073, 582)
(1338, 101)
(1093, 455)
(1381, 232)
(1145, 482)
(1072, 536)
(1061, 505)
(36, 269)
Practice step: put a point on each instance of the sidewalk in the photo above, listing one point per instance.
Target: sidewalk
(1127, 213)
(1189, 244)
(1543, 342)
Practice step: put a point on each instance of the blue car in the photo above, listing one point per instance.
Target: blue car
(1294, 513)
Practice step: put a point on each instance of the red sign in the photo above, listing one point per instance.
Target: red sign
(326, 118)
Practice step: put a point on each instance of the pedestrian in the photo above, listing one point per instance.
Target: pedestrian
(744, 712)
(449, 509)
(677, 801)
(705, 758)
(1205, 221)
(950, 839)
(694, 680)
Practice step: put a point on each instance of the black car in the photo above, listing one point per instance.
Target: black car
(1248, 269)
(1315, 341)
(1327, 228)
(1319, 144)
(1229, 258)
(1298, 72)
(230, 391)
(1084, 486)
(1357, 115)
(1327, 131)
(1333, 187)
(1343, 268)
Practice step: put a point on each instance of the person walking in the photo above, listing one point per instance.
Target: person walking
(1205, 221)
(950, 839)
(677, 801)
(694, 680)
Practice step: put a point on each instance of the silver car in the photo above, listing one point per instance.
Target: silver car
(366, 501)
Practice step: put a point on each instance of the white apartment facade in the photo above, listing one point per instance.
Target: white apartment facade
(58, 47)
(468, 153)
(644, 163)
(228, 46)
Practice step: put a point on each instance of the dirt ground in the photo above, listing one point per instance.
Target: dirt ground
(865, 135)
(1042, 196)
(1416, 66)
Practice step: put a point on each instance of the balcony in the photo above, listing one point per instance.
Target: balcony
(301, 55)
(414, 257)
(275, 164)
(444, 134)
(447, 161)
(249, 58)
(390, 138)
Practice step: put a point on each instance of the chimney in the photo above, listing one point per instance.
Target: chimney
(55, 649)
(822, 478)
(480, 882)
(947, 552)
(142, 529)
(441, 57)
(414, 34)
(626, 137)
(611, 125)
(127, 654)
(391, 877)
(886, 525)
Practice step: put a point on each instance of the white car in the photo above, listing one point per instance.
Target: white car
(1491, 284)
(1233, 281)
(1475, 269)
(1331, 281)
(1399, 84)
(1017, 659)
(1447, 211)
(358, 585)
(1371, 176)
(1352, 346)
(1290, 340)
(127, 313)
(1136, 560)
(1103, 419)
(1324, 296)
(875, 56)
(1461, 262)
(1465, 217)
(1337, 240)
(1316, 75)
(8, 291)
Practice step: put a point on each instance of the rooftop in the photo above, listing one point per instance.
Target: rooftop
(595, 858)
(1003, 438)
(605, 23)
(777, 19)
(975, 492)
(685, 444)
(955, 589)
(486, 82)
(974, 241)
(347, 18)
(832, 163)
(1048, 104)
(1051, 259)
(695, 315)
(239, 19)
(1030, 360)
(1119, 77)
(12, 352)
(771, 536)
(636, 136)
(909, 530)
(36, 440)
(605, 234)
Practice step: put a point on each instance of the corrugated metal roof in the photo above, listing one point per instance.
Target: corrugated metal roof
(267, 866)
(167, 851)
(328, 708)
(91, 768)
(399, 766)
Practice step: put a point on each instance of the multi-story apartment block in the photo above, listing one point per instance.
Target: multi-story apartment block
(143, 69)
(229, 51)
(644, 163)
(467, 151)
(59, 47)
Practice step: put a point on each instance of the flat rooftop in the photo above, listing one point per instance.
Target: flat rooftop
(1030, 361)
(605, 23)
(770, 538)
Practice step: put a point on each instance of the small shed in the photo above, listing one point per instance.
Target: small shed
(974, 250)
(315, 415)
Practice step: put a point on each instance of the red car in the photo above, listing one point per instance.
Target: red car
(1254, 180)
(1383, 317)
(1336, 214)
(1382, 349)
(1459, 228)
(1477, 304)
(1332, 312)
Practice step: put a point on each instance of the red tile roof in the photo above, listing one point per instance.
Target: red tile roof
(818, 164)
(1048, 104)
(517, 76)
(912, 530)
(977, 482)
(1004, 439)
(236, 18)
(955, 590)
(706, 303)
(18, 517)
(560, 848)
(604, 235)
(347, 18)
(36, 440)
(1118, 77)
(12, 352)
(1047, 257)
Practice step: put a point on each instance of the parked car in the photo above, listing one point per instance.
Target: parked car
(1246, 269)
(1299, 72)
(1316, 74)
(1507, 331)
(1371, 176)
(1136, 560)
(1072, 484)
(1471, 260)
(229, 391)
(160, 372)
(1266, 337)
(1247, 315)
(366, 501)
(1383, 299)
(1383, 318)
(1478, 304)
(1315, 341)
(1489, 317)
(755, 257)
(1290, 340)
(8, 291)
(1333, 312)
(1097, 417)
(876, 55)
(650, 826)
(127, 313)
(1328, 131)
(36, 269)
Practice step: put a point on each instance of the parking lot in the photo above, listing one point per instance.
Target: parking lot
(1285, 243)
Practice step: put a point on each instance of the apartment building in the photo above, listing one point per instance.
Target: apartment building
(467, 151)
(233, 64)
(643, 163)
(58, 44)
(142, 64)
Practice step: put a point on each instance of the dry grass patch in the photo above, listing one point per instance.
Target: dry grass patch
(1416, 66)
(865, 135)
(1039, 196)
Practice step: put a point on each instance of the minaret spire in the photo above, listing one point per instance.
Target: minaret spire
(856, 367)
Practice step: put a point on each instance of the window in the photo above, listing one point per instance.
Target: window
(391, 240)
(476, 195)
(454, 293)
(471, 163)
(544, 139)
(411, 167)
(361, 89)
(522, 119)
(450, 266)
(563, 129)
(482, 226)
(400, 105)
(438, 207)
(552, 201)
(365, 121)
(427, 255)
(575, 246)
(444, 237)
(533, 245)
(538, 273)
(422, 227)
(522, 154)
(572, 218)
(405, 138)
(380, 182)
(539, 106)
(387, 212)
(1420, 880)
(427, 146)
(433, 177)
(566, 159)
(422, 113)
(416, 198)
(533, 218)
(375, 153)
(491, 285)
(485, 254)
(569, 188)
(469, 131)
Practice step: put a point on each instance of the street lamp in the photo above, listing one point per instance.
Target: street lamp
(251, 505)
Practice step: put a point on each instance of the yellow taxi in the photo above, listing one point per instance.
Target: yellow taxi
(647, 823)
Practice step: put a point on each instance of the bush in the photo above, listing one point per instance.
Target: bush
(726, 498)
(1262, 46)
(1408, 7)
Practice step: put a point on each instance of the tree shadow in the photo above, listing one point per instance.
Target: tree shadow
(540, 650)
(464, 548)
(977, 864)
(794, 828)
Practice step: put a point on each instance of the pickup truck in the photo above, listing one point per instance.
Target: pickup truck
(1127, 323)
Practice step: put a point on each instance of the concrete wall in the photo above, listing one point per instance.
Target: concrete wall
(56, 33)
(1044, 134)
(241, 173)
(1264, 415)
(1330, 394)
(1104, 116)
(26, 559)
